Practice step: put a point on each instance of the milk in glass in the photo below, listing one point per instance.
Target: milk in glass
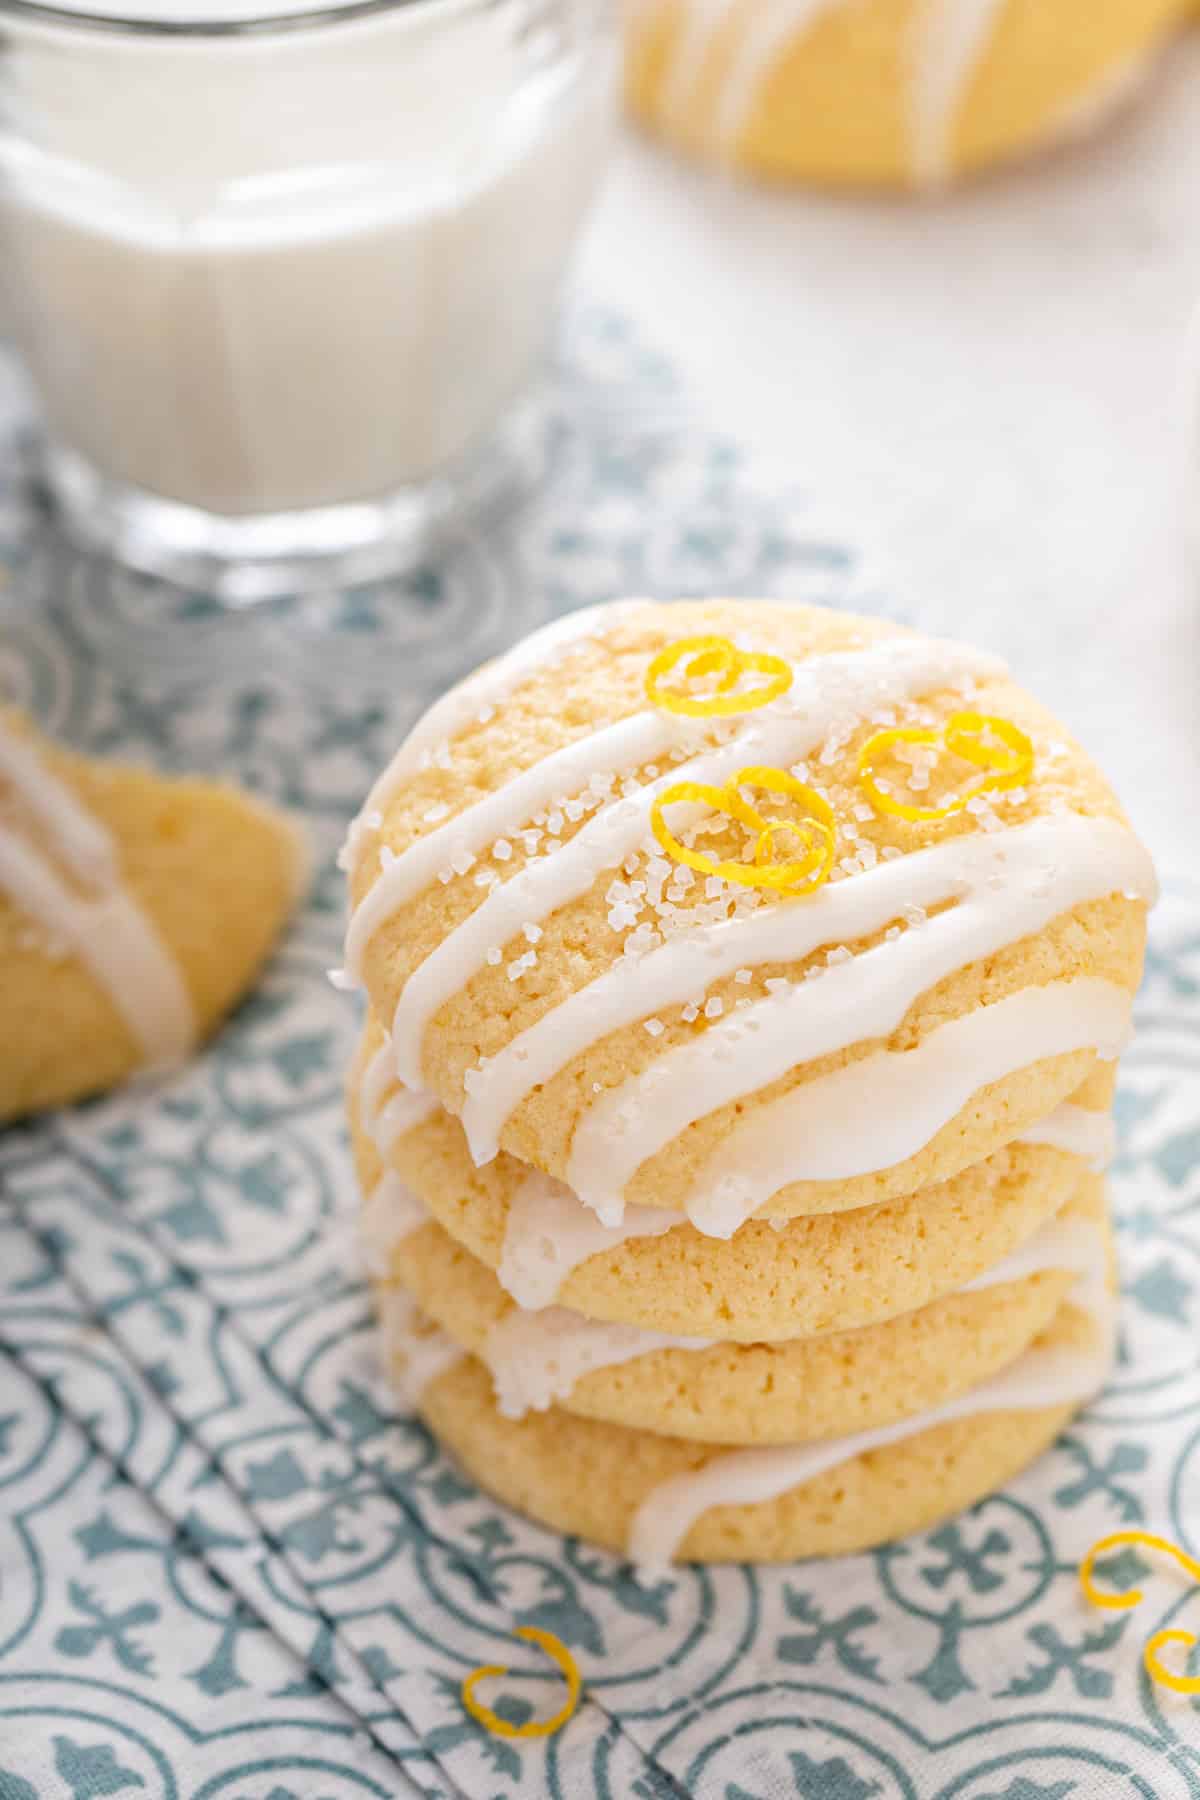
(288, 271)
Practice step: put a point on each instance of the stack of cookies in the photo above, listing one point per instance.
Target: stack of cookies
(745, 982)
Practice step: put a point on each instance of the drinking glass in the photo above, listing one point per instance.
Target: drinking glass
(282, 284)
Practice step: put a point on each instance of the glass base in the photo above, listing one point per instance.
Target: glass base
(240, 560)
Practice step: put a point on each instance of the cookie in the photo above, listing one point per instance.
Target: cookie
(134, 912)
(904, 934)
(882, 93)
(828, 1272)
(657, 1498)
(788, 1392)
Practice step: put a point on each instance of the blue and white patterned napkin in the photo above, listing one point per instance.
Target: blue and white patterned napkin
(228, 1569)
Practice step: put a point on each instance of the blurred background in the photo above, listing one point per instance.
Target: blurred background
(993, 391)
(277, 295)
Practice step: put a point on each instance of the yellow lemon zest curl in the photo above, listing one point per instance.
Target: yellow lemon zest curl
(1147, 1540)
(1158, 1671)
(715, 656)
(1005, 763)
(811, 822)
(558, 1653)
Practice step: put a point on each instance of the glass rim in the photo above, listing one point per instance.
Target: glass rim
(252, 24)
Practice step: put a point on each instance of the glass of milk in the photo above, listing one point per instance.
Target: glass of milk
(282, 283)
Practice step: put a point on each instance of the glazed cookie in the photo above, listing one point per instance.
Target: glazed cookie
(659, 1498)
(882, 93)
(725, 1393)
(134, 912)
(831, 1272)
(735, 907)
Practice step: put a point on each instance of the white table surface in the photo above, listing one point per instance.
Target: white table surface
(988, 392)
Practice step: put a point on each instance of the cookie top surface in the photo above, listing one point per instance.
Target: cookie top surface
(854, 917)
(134, 910)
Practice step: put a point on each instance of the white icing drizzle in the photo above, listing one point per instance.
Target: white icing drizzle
(949, 38)
(390, 1213)
(424, 1350)
(627, 744)
(1074, 1244)
(404, 1110)
(882, 1109)
(377, 1077)
(548, 1233)
(82, 842)
(1079, 1129)
(536, 1358)
(1039, 1379)
(487, 687)
(387, 1121)
(702, 20)
(826, 691)
(1007, 885)
(105, 929)
(770, 31)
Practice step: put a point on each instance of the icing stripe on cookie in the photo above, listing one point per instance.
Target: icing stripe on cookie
(486, 688)
(1059, 1244)
(949, 39)
(106, 928)
(386, 1121)
(625, 745)
(537, 1358)
(377, 1077)
(404, 1110)
(1081, 1130)
(84, 845)
(390, 1213)
(701, 22)
(1041, 1378)
(423, 1350)
(827, 692)
(1006, 886)
(548, 1233)
(773, 29)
